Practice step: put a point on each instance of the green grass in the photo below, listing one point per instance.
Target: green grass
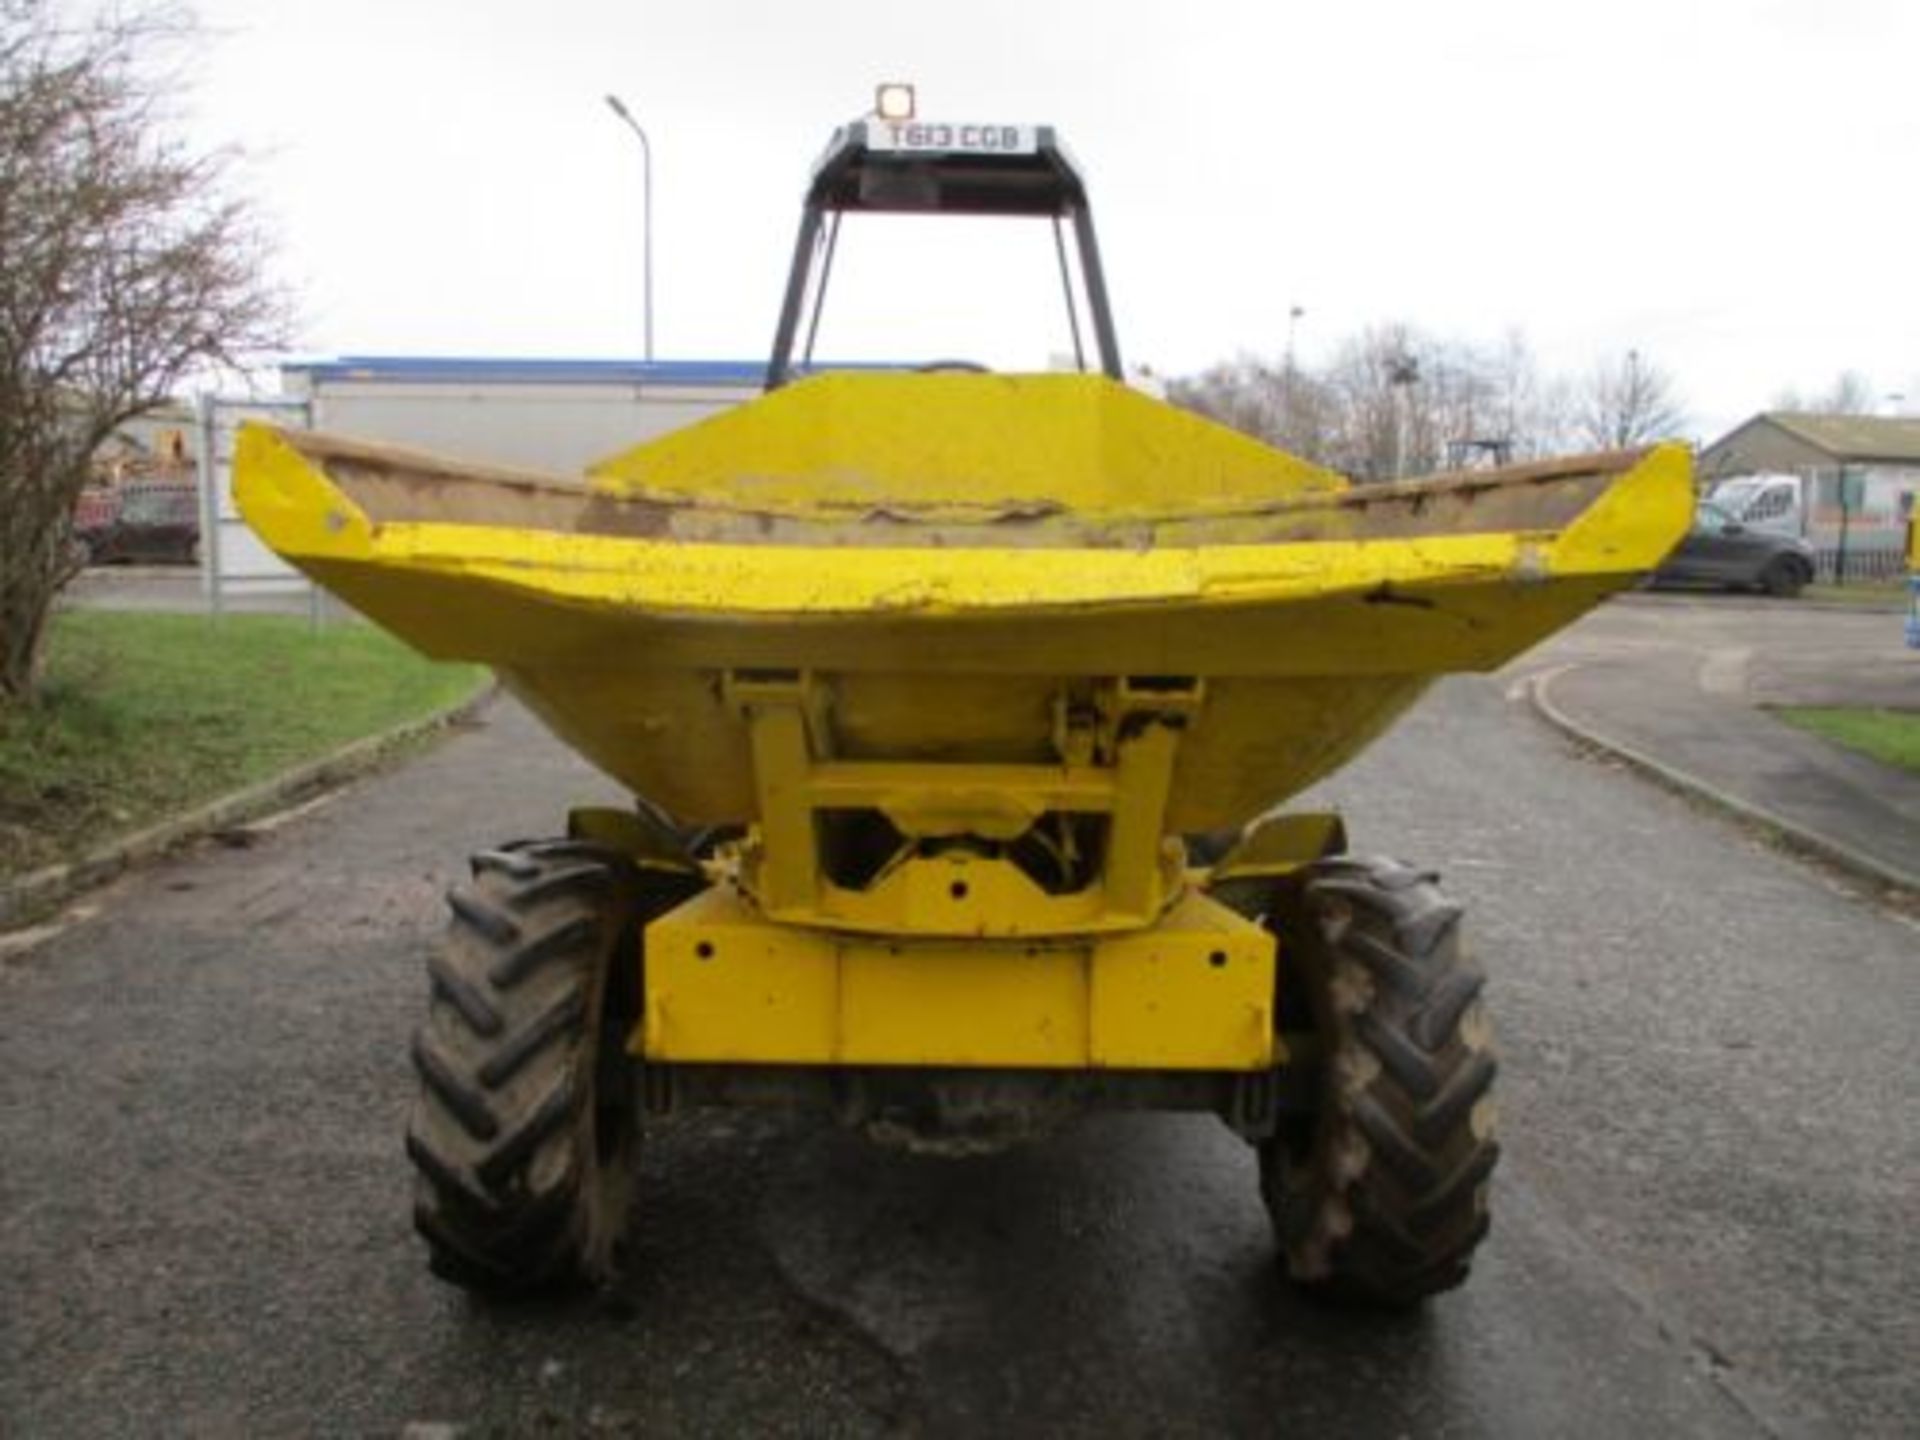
(1889, 736)
(141, 716)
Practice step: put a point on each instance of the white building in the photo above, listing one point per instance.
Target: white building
(1858, 476)
(552, 415)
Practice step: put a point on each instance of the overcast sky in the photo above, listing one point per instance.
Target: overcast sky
(1729, 187)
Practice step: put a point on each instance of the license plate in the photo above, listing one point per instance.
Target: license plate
(939, 137)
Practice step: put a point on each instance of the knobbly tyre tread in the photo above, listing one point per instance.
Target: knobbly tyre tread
(522, 1167)
(1381, 1197)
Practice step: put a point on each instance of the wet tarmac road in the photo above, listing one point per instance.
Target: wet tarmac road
(1704, 1223)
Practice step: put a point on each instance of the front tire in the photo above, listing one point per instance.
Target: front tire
(1783, 578)
(524, 1130)
(1380, 1196)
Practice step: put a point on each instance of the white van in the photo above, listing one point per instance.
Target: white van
(1871, 530)
(1775, 503)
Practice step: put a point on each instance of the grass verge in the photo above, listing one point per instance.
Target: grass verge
(142, 716)
(1883, 594)
(1889, 736)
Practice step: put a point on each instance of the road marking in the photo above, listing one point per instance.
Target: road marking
(1531, 682)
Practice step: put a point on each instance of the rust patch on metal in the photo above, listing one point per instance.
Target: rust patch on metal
(396, 485)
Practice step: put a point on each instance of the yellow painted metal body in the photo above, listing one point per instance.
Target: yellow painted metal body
(959, 448)
(1193, 992)
(980, 614)
(1315, 613)
(1116, 749)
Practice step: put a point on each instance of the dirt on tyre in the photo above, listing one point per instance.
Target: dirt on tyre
(1380, 1195)
(524, 1127)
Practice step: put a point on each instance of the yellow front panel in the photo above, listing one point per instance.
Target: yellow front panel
(725, 986)
(1193, 992)
(965, 1004)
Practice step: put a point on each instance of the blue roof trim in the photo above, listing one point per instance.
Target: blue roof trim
(434, 369)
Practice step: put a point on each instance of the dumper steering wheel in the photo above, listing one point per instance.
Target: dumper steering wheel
(973, 367)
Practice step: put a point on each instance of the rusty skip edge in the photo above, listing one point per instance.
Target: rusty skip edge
(392, 485)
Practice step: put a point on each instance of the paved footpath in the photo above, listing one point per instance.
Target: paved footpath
(177, 588)
(1686, 683)
(1704, 1220)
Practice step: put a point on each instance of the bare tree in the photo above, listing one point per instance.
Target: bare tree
(1242, 393)
(1529, 410)
(1851, 393)
(1396, 400)
(125, 267)
(1365, 436)
(1284, 405)
(1407, 400)
(1627, 403)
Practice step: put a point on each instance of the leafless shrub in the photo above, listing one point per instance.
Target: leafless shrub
(126, 265)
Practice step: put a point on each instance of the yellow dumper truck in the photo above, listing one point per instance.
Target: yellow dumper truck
(956, 707)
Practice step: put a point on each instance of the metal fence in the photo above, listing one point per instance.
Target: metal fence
(236, 569)
(1863, 565)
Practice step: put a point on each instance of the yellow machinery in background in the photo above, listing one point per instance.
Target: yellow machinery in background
(958, 705)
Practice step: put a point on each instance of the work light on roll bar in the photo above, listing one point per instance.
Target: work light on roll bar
(893, 102)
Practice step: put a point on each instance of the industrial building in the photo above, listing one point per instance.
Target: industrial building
(552, 415)
(1858, 478)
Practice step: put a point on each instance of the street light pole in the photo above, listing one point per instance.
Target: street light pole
(1403, 373)
(646, 170)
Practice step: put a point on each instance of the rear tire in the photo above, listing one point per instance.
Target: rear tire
(1380, 1197)
(524, 1127)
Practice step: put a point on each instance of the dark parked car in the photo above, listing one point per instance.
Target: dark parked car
(151, 522)
(1719, 550)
